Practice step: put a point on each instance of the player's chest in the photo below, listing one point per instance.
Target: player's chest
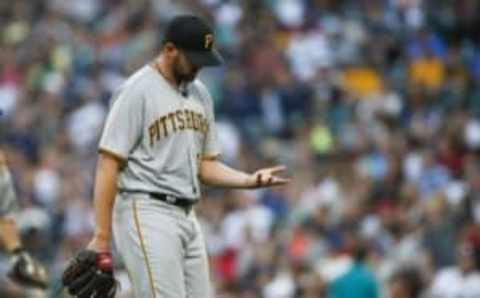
(174, 117)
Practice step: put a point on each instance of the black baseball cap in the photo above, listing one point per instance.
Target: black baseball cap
(195, 37)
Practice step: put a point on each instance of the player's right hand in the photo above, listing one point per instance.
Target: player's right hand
(99, 245)
(90, 274)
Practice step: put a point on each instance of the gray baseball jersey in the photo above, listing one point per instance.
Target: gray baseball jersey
(8, 200)
(160, 133)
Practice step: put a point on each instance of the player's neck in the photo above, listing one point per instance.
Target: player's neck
(165, 72)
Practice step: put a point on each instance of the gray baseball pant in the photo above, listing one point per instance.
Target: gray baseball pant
(162, 247)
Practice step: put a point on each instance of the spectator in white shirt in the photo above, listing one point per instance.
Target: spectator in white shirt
(462, 280)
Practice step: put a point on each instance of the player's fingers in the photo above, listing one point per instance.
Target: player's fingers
(277, 169)
(265, 178)
(280, 181)
(259, 179)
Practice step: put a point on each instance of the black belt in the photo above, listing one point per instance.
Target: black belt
(182, 203)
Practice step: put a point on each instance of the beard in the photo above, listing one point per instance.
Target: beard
(181, 76)
(185, 78)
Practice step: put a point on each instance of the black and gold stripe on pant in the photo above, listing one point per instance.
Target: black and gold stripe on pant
(142, 244)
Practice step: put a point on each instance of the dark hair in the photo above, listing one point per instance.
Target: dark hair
(359, 248)
(410, 278)
(360, 252)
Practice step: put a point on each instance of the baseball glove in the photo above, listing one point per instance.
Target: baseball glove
(90, 274)
(26, 271)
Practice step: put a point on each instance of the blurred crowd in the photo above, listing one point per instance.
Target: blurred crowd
(374, 106)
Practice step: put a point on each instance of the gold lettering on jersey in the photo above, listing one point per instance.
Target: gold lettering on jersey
(171, 117)
(163, 120)
(193, 117)
(153, 132)
(189, 119)
(176, 122)
(200, 123)
(202, 120)
(157, 127)
(196, 119)
(205, 126)
(181, 121)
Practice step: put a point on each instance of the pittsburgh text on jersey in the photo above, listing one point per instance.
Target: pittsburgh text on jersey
(177, 121)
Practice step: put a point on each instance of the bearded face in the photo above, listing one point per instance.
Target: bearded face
(183, 70)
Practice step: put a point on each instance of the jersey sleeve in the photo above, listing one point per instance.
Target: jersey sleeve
(211, 146)
(8, 199)
(123, 126)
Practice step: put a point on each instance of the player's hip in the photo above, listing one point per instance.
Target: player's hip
(139, 214)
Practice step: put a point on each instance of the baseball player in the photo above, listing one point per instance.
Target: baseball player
(24, 270)
(158, 144)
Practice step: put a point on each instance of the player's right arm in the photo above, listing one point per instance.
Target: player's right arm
(122, 130)
(108, 167)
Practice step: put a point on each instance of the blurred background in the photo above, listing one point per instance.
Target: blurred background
(374, 106)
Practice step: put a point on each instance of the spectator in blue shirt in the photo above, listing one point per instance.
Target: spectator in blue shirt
(359, 281)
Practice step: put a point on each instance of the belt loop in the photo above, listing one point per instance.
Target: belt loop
(170, 199)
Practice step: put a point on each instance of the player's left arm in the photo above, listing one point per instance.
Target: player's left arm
(214, 172)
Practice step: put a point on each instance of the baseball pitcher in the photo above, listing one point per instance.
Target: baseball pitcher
(159, 142)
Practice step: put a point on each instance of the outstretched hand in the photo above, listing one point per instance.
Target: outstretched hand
(269, 177)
